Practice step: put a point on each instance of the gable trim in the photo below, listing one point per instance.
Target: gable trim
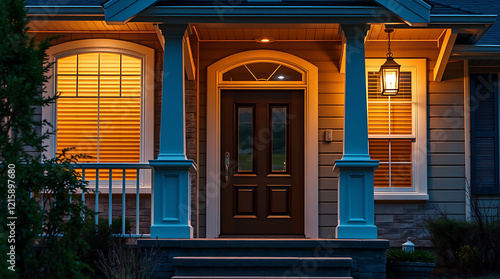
(121, 11)
(413, 12)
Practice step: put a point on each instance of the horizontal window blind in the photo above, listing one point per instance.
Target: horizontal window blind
(395, 167)
(99, 109)
(391, 117)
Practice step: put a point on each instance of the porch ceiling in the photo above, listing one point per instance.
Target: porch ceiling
(304, 32)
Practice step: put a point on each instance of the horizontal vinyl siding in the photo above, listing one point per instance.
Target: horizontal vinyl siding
(325, 55)
(445, 164)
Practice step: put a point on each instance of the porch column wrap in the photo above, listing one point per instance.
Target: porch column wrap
(172, 135)
(356, 194)
(171, 192)
(355, 104)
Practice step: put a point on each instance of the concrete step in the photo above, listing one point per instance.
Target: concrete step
(256, 267)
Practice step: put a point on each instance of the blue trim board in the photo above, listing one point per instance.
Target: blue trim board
(414, 12)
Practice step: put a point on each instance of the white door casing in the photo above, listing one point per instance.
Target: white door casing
(309, 84)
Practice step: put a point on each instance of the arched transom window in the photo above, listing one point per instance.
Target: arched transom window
(262, 71)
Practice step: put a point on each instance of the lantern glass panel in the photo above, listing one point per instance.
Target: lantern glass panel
(390, 81)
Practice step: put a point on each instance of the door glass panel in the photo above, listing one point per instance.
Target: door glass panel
(279, 138)
(245, 139)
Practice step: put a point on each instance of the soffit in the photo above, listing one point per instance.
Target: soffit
(87, 26)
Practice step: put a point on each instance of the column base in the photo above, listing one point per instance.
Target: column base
(356, 199)
(171, 199)
(356, 232)
(171, 231)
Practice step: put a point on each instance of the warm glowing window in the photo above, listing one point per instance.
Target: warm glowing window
(99, 109)
(391, 132)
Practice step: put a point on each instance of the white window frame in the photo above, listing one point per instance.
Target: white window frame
(418, 191)
(147, 56)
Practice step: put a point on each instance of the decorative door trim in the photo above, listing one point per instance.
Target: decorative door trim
(309, 84)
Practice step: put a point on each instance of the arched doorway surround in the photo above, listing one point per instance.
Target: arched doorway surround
(309, 84)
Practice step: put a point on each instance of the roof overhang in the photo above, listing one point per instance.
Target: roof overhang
(412, 12)
(472, 25)
(65, 12)
(476, 52)
(267, 14)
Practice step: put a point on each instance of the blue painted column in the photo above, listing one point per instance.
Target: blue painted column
(171, 193)
(356, 214)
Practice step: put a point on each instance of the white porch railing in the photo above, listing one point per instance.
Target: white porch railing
(128, 184)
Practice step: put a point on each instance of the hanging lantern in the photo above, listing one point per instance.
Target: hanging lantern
(389, 71)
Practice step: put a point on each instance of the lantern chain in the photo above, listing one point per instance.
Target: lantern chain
(389, 53)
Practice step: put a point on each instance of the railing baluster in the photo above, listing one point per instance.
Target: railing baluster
(137, 203)
(139, 168)
(83, 192)
(110, 195)
(97, 196)
(70, 199)
(123, 202)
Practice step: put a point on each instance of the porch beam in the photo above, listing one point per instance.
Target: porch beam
(188, 57)
(171, 192)
(356, 216)
(342, 58)
(265, 14)
(160, 36)
(188, 60)
(444, 53)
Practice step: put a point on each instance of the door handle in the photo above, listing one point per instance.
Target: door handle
(227, 166)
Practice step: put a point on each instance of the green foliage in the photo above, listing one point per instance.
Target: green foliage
(51, 250)
(399, 255)
(466, 257)
(127, 261)
(100, 239)
(116, 225)
(47, 204)
(471, 246)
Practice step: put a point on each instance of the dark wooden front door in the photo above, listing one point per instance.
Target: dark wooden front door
(262, 163)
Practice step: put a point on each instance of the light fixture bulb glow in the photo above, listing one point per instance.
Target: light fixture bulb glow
(281, 77)
(390, 79)
(265, 40)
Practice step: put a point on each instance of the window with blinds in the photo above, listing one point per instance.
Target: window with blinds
(99, 108)
(390, 129)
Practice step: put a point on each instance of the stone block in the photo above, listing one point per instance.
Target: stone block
(384, 218)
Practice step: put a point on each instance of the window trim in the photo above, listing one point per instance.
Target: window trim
(419, 118)
(146, 54)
